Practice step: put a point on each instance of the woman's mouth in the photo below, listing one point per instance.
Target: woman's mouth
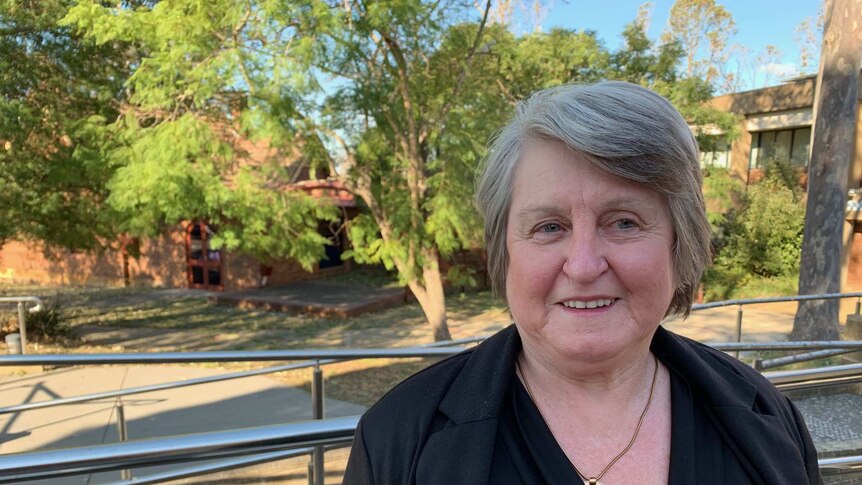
(588, 304)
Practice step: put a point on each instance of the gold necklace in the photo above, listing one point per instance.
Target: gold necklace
(595, 480)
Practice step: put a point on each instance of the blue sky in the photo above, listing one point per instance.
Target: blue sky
(759, 22)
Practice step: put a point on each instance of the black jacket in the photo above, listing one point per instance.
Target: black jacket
(440, 425)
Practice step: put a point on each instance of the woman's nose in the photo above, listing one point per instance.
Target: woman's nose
(585, 258)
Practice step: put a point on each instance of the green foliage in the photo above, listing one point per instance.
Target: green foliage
(764, 240)
(724, 195)
(783, 172)
(396, 100)
(216, 86)
(58, 92)
(643, 62)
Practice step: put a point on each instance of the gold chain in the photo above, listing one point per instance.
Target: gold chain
(595, 480)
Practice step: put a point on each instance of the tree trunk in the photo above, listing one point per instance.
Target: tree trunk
(429, 294)
(835, 104)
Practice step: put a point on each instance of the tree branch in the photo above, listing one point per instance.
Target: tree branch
(462, 77)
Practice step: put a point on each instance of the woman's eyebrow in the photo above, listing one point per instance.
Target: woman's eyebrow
(540, 210)
(628, 202)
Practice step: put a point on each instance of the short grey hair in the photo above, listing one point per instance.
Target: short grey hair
(624, 129)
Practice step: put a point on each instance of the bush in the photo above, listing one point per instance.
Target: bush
(762, 242)
(48, 324)
(766, 239)
(724, 195)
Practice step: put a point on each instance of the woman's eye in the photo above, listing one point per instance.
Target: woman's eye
(625, 224)
(550, 228)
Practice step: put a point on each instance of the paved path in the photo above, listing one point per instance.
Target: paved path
(254, 401)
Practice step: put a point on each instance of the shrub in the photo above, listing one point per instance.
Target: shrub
(763, 240)
(724, 195)
(48, 324)
(767, 237)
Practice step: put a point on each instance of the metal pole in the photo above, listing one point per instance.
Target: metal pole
(317, 413)
(122, 432)
(858, 305)
(22, 326)
(738, 327)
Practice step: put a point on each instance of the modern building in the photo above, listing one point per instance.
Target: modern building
(777, 122)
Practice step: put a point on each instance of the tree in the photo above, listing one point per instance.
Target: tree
(641, 61)
(836, 101)
(703, 28)
(396, 100)
(209, 88)
(58, 93)
(808, 37)
(382, 95)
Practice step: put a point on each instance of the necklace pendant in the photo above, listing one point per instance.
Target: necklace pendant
(592, 481)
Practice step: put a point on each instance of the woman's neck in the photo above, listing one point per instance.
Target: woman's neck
(617, 380)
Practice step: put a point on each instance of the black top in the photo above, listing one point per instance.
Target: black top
(441, 426)
(527, 453)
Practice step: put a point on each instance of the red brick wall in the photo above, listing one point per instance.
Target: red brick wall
(29, 263)
(854, 269)
(239, 271)
(162, 261)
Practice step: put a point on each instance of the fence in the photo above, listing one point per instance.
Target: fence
(244, 447)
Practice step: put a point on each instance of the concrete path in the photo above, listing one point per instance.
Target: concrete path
(253, 401)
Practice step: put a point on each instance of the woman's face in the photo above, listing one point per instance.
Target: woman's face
(590, 273)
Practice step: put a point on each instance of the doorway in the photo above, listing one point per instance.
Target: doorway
(204, 266)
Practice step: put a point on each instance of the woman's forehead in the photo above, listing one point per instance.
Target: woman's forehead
(549, 173)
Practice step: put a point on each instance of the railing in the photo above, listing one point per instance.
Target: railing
(778, 299)
(315, 359)
(270, 443)
(226, 444)
(42, 465)
(22, 314)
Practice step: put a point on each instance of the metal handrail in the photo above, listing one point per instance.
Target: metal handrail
(201, 446)
(190, 447)
(833, 466)
(340, 354)
(252, 355)
(225, 356)
(220, 466)
(152, 388)
(774, 299)
(199, 381)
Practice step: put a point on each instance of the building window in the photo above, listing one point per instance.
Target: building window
(715, 152)
(783, 145)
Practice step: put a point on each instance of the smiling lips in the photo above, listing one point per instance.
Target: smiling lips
(582, 304)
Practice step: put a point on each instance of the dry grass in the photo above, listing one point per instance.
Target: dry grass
(226, 328)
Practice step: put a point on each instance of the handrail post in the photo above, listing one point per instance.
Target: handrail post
(738, 327)
(122, 432)
(317, 412)
(22, 326)
(858, 304)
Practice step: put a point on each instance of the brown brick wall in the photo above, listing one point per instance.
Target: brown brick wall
(162, 261)
(30, 263)
(239, 271)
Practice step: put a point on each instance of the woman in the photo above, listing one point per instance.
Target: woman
(595, 231)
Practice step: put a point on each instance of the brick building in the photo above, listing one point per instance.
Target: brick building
(180, 257)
